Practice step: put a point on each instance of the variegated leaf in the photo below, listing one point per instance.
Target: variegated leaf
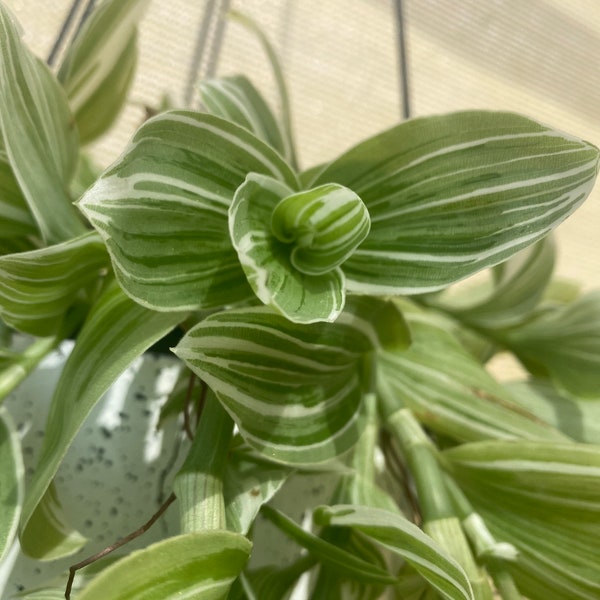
(284, 259)
(402, 537)
(162, 210)
(98, 67)
(563, 343)
(449, 391)
(39, 134)
(37, 287)
(295, 391)
(550, 499)
(237, 100)
(450, 195)
(194, 565)
(116, 331)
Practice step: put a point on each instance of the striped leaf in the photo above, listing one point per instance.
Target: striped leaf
(449, 391)
(295, 391)
(237, 100)
(195, 565)
(162, 210)
(564, 343)
(404, 538)
(11, 482)
(550, 499)
(268, 261)
(98, 68)
(39, 135)
(38, 287)
(450, 195)
(116, 331)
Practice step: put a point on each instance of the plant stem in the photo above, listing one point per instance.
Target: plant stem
(199, 484)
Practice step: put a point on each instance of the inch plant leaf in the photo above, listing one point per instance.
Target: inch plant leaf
(39, 135)
(162, 210)
(15, 217)
(12, 484)
(295, 391)
(194, 565)
(519, 286)
(449, 391)
(37, 287)
(237, 100)
(116, 331)
(98, 67)
(405, 539)
(564, 343)
(450, 195)
(550, 498)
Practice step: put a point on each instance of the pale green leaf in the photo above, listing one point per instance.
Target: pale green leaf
(267, 261)
(97, 69)
(116, 331)
(11, 482)
(162, 210)
(295, 391)
(449, 391)
(195, 565)
(576, 417)
(550, 499)
(404, 538)
(450, 195)
(237, 100)
(563, 342)
(38, 287)
(39, 133)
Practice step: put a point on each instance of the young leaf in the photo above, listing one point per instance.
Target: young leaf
(116, 331)
(195, 565)
(400, 536)
(11, 482)
(449, 391)
(238, 101)
(295, 391)
(565, 343)
(162, 210)
(450, 195)
(39, 135)
(37, 287)
(98, 67)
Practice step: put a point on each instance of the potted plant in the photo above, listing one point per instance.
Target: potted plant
(317, 331)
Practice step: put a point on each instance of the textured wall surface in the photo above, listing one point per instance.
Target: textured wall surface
(538, 57)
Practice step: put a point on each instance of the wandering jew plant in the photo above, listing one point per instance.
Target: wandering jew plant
(315, 328)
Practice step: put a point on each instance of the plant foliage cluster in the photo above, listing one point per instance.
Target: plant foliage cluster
(317, 310)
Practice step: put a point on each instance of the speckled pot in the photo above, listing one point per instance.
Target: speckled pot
(116, 473)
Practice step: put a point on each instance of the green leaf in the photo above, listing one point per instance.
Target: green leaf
(237, 100)
(295, 391)
(400, 536)
(196, 565)
(11, 482)
(331, 554)
(38, 287)
(449, 391)
(98, 68)
(450, 195)
(550, 499)
(564, 343)
(116, 331)
(162, 210)
(39, 134)
(576, 417)
(267, 261)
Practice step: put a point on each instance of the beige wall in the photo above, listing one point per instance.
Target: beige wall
(538, 57)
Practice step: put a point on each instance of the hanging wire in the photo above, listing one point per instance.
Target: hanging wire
(402, 61)
(63, 34)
